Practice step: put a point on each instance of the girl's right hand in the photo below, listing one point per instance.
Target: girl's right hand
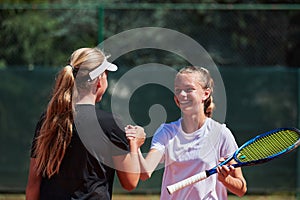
(135, 134)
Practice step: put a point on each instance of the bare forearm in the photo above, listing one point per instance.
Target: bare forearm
(236, 185)
(32, 193)
(34, 182)
(130, 161)
(136, 137)
(134, 163)
(145, 172)
(129, 175)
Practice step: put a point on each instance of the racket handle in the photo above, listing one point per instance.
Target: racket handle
(191, 180)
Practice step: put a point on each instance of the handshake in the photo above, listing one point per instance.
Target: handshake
(135, 135)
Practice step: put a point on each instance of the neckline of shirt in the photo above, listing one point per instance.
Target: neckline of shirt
(195, 133)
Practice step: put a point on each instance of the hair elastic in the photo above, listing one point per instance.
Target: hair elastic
(74, 70)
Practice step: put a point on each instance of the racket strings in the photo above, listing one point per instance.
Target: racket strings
(268, 146)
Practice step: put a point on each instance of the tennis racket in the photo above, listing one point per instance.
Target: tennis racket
(260, 149)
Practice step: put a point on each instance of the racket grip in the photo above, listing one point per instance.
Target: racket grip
(191, 180)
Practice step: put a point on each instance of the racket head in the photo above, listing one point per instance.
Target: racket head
(267, 146)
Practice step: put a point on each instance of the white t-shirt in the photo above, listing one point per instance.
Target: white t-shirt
(186, 154)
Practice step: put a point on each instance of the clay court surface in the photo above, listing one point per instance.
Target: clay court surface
(156, 197)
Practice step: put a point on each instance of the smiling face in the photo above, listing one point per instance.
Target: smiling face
(190, 93)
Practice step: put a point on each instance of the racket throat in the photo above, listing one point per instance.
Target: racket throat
(210, 172)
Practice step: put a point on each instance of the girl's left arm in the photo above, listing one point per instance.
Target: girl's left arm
(33, 183)
(233, 179)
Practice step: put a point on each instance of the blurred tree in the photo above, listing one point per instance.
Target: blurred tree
(29, 40)
(232, 37)
(45, 37)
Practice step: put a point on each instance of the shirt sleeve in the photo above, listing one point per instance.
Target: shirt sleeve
(118, 139)
(159, 139)
(228, 144)
(114, 129)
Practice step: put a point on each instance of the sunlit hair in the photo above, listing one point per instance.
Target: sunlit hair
(57, 127)
(206, 81)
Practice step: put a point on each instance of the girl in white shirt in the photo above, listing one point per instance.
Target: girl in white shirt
(193, 143)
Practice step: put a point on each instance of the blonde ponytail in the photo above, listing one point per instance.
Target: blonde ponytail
(56, 130)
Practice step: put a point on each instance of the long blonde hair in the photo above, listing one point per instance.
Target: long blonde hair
(206, 81)
(57, 128)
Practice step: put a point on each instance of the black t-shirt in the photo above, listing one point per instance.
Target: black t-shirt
(81, 175)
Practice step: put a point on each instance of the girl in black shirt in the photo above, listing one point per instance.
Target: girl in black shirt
(77, 148)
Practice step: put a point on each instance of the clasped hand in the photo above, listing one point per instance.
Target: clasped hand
(135, 134)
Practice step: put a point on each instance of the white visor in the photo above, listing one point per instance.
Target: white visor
(102, 68)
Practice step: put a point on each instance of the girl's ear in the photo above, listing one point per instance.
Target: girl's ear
(207, 93)
(176, 101)
(98, 82)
